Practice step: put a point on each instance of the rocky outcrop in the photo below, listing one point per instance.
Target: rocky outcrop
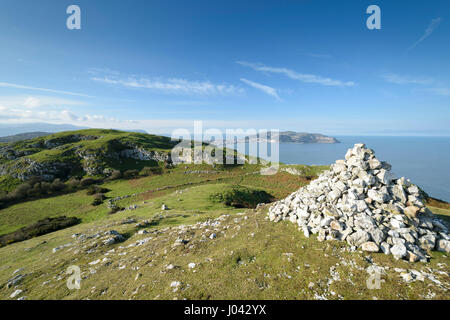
(144, 155)
(359, 201)
(92, 162)
(293, 171)
(25, 168)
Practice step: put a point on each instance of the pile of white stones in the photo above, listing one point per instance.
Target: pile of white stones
(359, 201)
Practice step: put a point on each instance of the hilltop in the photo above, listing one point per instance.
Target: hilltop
(90, 152)
(23, 136)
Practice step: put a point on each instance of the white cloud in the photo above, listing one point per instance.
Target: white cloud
(12, 115)
(16, 115)
(266, 89)
(320, 55)
(35, 102)
(308, 78)
(32, 102)
(428, 31)
(439, 91)
(19, 86)
(37, 108)
(173, 85)
(401, 79)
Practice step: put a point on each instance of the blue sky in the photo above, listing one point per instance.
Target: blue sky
(291, 65)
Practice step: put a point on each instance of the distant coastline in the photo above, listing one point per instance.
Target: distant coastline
(283, 137)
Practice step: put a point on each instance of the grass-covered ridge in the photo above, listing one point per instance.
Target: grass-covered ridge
(68, 146)
(95, 153)
(91, 152)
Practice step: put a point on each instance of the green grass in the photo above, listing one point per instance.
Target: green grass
(8, 183)
(103, 145)
(78, 204)
(251, 258)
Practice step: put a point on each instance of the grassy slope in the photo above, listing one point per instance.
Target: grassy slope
(78, 204)
(250, 259)
(108, 141)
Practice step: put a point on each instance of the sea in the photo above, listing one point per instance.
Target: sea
(424, 160)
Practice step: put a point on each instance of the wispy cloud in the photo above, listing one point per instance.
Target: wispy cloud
(428, 31)
(438, 86)
(11, 115)
(439, 91)
(320, 55)
(173, 85)
(308, 78)
(403, 79)
(35, 102)
(19, 86)
(266, 89)
(20, 115)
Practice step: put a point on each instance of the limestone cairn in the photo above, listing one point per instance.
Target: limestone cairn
(359, 201)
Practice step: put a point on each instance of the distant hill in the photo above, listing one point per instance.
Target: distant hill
(91, 152)
(7, 130)
(23, 136)
(287, 137)
(19, 128)
(303, 137)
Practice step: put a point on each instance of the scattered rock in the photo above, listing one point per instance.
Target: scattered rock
(370, 247)
(398, 251)
(16, 293)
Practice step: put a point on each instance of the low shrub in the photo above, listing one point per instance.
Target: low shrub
(93, 189)
(98, 199)
(57, 185)
(73, 183)
(116, 174)
(149, 171)
(38, 229)
(130, 174)
(242, 197)
(87, 182)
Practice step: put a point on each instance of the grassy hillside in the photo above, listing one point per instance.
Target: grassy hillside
(91, 152)
(201, 248)
(79, 204)
(180, 234)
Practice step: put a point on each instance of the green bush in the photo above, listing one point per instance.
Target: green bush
(39, 228)
(113, 209)
(116, 174)
(87, 182)
(149, 171)
(130, 174)
(57, 186)
(242, 197)
(98, 199)
(93, 189)
(73, 183)
(21, 191)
